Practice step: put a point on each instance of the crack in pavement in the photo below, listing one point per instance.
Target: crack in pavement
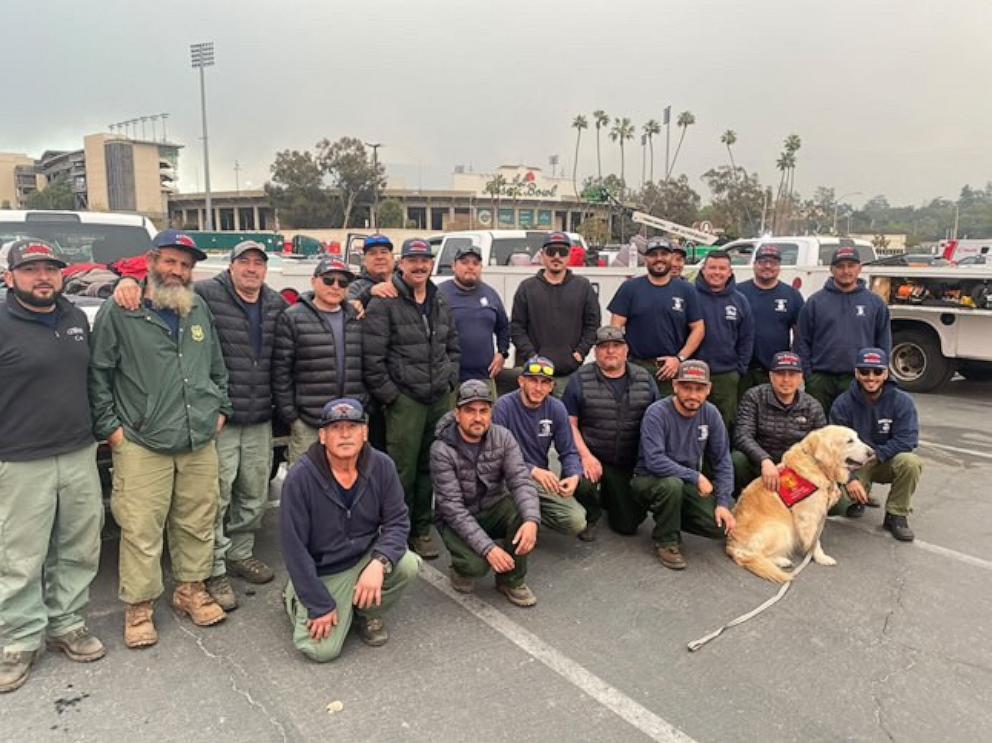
(234, 684)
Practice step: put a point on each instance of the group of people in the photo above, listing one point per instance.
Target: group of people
(387, 382)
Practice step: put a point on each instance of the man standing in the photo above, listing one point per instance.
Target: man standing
(775, 307)
(884, 417)
(411, 359)
(677, 261)
(318, 354)
(51, 508)
(605, 401)
(555, 313)
(536, 420)
(835, 323)
(771, 418)
(479, 316)
(375, 279)
(729, 341)
(158, 394)
(344, 528)
(660, 316)
(484, 493)
(681, 436)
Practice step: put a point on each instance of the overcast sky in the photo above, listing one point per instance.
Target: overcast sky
(888, 96)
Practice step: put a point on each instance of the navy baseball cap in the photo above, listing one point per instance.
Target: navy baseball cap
(245, 245)
(539, 366)
(658, 243)
(468, 250)
(376, 241)
(31, 251)
(180, 240)
(872, 358)
(416, 247)
(768, 251)
(786, 361)
(845, 253)
(342, 410)
(330, 264)
(557, 238)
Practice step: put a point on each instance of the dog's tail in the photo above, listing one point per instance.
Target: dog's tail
(759, 565)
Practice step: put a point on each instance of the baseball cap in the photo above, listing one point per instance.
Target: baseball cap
(330, 264)
(610, 334)
(343, 409)
(658, 243)
(245, 245)
(786, 361)
(768, 251)
(30, 250)
(557, 238)
(845, 253)
(872, 358)
(376, 241)
(539, 366)
(693, 370)
(474, 390)
(679, 248)
(180, 240)
(416, 247)
(468, 250)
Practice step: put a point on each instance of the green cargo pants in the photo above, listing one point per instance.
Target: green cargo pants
(301, 437)
(665, 388)
(244, 456)
(341, 586)
(564, 515)
(828, 387)
(744, 471)
(676, 507)
(501, 522)
(51, 513)
(613, 494)
(902, 472)
(153, 492)
(409, 434)
(753, 378)
(723, 394)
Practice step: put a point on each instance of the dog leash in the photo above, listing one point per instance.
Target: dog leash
(696, 644)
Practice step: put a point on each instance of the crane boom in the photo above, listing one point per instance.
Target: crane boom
(673, 228)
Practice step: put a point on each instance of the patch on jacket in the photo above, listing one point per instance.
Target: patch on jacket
(197, 332)
(793, 487)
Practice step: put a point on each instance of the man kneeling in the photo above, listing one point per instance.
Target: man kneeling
(344, 528)
(473, 464)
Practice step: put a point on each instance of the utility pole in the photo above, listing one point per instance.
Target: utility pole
(668, 136)
(375, 182)
(202, 56)
(237, 185)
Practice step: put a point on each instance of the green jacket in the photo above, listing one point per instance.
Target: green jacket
(167, 396)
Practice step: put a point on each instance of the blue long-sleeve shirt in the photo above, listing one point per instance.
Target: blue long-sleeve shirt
(729, 340)
(889, 425)
(479, 316)
(775, 312)
(835, 325)
(536, 429)
(675, 446)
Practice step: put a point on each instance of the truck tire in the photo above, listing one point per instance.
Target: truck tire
(976, 371)
(917, 363)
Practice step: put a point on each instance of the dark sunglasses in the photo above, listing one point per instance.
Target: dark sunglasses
(557, 250)
(341, 281)
(870, 372)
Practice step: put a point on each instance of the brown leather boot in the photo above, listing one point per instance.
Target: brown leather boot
(192, 599)
(139, 627)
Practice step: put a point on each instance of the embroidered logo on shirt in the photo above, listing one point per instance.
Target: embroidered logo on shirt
(730, 312)
(677, 304)
(484, 301)
(859, 310)
(76, 333)
(781, 305)
(544, 428)
(704, 431)
(884, 425)
(197, 332)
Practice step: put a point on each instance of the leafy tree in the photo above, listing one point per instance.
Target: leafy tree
(738, 198)
(347, 163)
(600, 119)
(578, 124)
(595, 230)
(391, 214)
(56, 195)
(298, 193)
(674, 200)
(683, 122)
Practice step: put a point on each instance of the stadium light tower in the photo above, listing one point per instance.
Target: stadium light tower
(202, 55)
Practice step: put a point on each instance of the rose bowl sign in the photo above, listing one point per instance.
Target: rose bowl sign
(511, 182)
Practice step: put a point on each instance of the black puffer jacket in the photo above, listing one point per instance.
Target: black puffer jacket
(766, 428)
(499, 467)
(305, 376)
(249, 378)
(612, 429)
(402, 355)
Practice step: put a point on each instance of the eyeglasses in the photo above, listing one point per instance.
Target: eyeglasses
(871, 372)
(560, 251)
(341, 281)
(540, 370)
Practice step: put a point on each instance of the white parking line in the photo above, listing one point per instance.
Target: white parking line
(957, 449)
(609, 696)
(936, 549)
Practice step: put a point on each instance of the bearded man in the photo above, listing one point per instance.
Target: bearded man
(158, 391)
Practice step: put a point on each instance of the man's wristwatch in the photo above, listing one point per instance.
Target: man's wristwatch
(387, 566)
(680, 357)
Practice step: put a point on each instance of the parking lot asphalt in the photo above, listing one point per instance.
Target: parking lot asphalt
(891, 644)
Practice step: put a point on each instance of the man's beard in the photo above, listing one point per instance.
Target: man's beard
(26, 297)
(179, 299)
(659, 270)
(468, 282)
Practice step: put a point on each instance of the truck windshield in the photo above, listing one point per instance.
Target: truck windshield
(82, 243)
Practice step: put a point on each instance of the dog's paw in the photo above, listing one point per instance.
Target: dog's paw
(824, 559)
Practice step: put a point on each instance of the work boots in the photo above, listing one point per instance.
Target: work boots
(15, 667)
(193, 600)
(250, 569)
(898, 526)
(425, 546)
(220, 590)
(139, 626)
(78, 645)
(670, 556)
(372, 631)
(518, 595)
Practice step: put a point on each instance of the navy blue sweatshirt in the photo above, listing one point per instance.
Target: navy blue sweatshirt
(835, 325)
(889, 425)
(775, 312)
(535, 430)
(479, 315)
(729, 340)
(675, 446)
(321, 535)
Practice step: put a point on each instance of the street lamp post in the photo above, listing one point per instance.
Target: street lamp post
(375, 182)
(202, 55)
(837, 206)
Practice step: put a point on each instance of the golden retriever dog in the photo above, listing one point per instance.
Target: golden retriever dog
(769, 535)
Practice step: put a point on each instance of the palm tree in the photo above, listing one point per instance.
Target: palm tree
(729, 138)
(622, 131)
(684, 121)
(600, 119)
(578, 124)
(785, 164)
(651, 128)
